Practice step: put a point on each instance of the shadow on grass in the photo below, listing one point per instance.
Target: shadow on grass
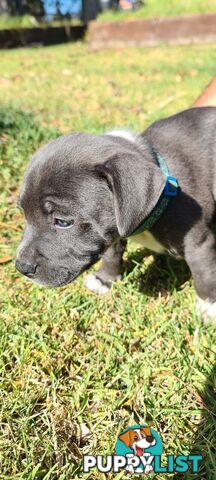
(163, 274)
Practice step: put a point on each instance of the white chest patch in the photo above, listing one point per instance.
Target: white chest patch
(147, 240)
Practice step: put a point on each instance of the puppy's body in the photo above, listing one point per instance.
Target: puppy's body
(103, 187)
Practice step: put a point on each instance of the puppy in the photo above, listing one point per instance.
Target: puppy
(83, 195)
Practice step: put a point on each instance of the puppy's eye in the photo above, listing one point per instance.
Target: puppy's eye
(60, 223)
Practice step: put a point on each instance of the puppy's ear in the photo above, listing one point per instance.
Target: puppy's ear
(136, 185)
(125, 438)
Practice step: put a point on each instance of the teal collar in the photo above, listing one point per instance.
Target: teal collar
(169, 191)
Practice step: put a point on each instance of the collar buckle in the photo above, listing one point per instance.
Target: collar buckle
(171, 186)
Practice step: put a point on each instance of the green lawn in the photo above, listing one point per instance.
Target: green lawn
(151, 8)
(28, 21)
(157, 8)
(70, 360)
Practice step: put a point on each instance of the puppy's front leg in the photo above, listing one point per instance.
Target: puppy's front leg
(200, 254)
(111, 269)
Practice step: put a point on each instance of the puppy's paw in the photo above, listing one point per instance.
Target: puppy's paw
(130, 468)
(148, 469)
(206, 310)
(100, 285)
(96, 285)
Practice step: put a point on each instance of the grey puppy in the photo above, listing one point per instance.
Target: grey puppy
(83, 195)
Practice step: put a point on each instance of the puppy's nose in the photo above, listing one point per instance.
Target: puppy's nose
(25, 268)
(150, 438)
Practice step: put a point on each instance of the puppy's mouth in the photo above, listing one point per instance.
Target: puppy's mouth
(55, 282)
(51, 278)
(50, 275)
(139, 451)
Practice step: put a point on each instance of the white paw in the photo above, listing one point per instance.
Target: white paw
(207, 310)
(148, 469)
(95, 285)
(130, 469)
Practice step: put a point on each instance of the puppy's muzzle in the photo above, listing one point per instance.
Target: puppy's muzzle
(25, 268)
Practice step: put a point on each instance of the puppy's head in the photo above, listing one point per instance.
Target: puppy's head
(140, 437)
(80, 193)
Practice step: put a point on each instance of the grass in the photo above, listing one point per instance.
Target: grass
(22, 21)
(76, 368)
(28, 21)
(155, 8)
(151, 8)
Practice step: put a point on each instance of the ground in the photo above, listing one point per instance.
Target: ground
(71, 362)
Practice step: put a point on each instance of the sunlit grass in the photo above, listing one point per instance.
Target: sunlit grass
(162, 8)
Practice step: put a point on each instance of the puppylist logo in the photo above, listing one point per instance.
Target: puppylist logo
(138, 450)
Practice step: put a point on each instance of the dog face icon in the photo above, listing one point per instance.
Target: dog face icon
(140, 445)
(138, 439)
